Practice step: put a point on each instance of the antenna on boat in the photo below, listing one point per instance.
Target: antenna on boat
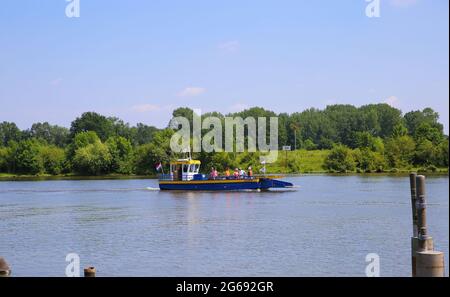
(187, 151)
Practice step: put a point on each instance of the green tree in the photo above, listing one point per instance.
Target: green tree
(91, 121)
(121, 154)
(340, 159)
(142, 134)
(400, 151)
(93, 159)
(4, 159)
(9, 132)
(26, 157)
(53, 159)
(425, 131)
(147, 155)
(425, 153)
(442, 154)
(414, 119)
(81, 140)
(367, 140)
(52, 134)
(309, 145)
(368, 160)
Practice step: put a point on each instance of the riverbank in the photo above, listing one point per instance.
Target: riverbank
(289, 163)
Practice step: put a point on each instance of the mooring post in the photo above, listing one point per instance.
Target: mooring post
(415, 237)
(429, 263)
(89, 272)
(412, 182)
(5, 270)
(421, 208)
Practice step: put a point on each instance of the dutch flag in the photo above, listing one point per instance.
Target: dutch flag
(158, 166)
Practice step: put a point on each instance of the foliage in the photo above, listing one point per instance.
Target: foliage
(121, 154)
(9, 132)
(52, 134)
(339, 138)
(91, 121)
(52, 159)
(93, 159)
(26, 157)
(340, 159)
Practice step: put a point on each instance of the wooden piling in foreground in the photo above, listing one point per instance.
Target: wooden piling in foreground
(415, 236)
(421, 206)
(5, 270)
(425, 261)
(89, 272)
(412, 182)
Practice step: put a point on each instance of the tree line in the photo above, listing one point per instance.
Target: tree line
(374, 137)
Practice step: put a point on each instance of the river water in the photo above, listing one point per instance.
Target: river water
(325, 227)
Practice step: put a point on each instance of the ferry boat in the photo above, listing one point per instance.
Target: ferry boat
(184, 175)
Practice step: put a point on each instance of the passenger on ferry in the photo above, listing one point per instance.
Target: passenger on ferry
(236, 173)
(214, 173)
(250, 171)
(242, 173)
(227, 172)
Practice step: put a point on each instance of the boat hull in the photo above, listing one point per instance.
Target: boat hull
(224, 185)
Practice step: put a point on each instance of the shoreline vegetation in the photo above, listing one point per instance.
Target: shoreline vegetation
(343, 139)
(44, 177)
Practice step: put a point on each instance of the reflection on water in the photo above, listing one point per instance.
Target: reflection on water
(323, 228)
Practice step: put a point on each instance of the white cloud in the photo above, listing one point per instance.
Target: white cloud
(191, 92)
(230, 46)
(146, 108)
(392, 101)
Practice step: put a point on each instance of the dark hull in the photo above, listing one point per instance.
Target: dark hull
(224, 185)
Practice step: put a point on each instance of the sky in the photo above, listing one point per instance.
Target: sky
(140, 59)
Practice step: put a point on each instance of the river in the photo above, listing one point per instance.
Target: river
(325, 227)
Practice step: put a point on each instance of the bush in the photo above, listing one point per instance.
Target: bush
(53, 159)
(26, 157)
(4, 159)
(121, 154)
(340, 160)
(94, 159)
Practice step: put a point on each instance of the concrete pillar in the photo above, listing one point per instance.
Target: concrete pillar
(430, 264)
(415, 249)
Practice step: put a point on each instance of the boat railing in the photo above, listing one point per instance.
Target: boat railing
(165, 176)
(171, 177)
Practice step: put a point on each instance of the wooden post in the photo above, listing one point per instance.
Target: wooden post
(285, 163)
(428, 263)
(412, 182)
(415, 237)
(89, 272)
(421, 206)
(5, 270)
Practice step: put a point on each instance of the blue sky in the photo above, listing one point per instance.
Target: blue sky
(139, 59)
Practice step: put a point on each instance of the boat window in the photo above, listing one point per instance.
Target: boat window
(192, 169)
(185, 168)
